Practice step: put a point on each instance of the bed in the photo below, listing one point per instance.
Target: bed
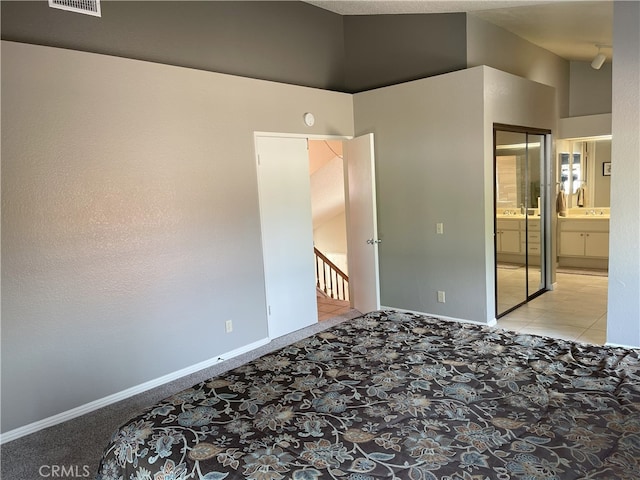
(397, 395)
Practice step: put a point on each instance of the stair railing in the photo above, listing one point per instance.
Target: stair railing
(329, 278)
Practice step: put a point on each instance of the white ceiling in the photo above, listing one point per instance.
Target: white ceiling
(570, 29)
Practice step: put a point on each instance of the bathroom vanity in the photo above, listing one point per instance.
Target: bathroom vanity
(512, 233)
(583, 240)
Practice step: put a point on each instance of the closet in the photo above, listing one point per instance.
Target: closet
(520, 167)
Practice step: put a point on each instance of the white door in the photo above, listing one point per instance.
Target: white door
(287, 233)
(362, 227)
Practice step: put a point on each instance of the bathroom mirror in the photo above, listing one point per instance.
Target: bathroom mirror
(580, 164)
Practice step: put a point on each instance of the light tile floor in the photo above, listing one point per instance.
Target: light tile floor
(329, 307)
(575, 310)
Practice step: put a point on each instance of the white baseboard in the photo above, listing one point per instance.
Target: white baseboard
(124, 394)
(490, 323)
(618, 345)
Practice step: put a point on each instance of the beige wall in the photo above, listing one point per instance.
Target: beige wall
(331, 236)
(331, 239)
(130, 219)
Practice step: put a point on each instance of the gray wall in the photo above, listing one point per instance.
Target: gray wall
(434, 163)
(602, 184)
(623, 315)
(99, 184)
(130, 219)
(488, 44)
(290, 42)
(383, 50)
(425, 175)
(590, 89)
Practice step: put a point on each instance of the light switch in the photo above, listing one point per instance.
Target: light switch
(439, 228)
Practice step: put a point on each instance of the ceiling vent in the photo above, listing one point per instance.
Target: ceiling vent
(88, 7)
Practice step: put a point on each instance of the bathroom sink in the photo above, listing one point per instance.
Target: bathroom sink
(589, 214)
(578, 216)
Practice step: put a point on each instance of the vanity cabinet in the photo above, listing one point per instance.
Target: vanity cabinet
(584, 239)
(533, 238)
(512, 236)
(596, 244)
(508, 236)
(584, 244)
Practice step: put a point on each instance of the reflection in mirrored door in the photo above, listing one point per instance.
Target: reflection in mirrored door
(520, 159)
(534, 239)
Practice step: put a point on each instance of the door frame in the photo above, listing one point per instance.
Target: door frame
(546, 264)
(309, 136)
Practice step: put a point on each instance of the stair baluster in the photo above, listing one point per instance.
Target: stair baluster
(337, 285)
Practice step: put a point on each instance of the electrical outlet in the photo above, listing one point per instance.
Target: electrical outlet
(228, 326)
(440, 296)
(439, 228)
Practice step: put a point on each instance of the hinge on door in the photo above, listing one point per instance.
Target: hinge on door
(258, 159)
(269, 309)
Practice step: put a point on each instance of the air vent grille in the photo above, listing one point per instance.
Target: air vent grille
(88, 7)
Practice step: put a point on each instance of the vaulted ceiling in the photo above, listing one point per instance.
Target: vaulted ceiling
(570, 29)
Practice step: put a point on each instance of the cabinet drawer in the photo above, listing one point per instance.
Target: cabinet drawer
(534, 248)
(595, 225)
(534, 237)
(507, 224)
(533, 224)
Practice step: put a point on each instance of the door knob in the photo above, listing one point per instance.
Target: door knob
(371, 241)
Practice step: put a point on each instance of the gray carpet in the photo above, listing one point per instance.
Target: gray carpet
(77, 444)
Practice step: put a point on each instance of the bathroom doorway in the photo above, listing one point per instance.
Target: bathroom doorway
(521, 161)
(584, 186)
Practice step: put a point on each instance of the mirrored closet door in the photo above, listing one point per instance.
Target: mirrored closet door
(519, 172)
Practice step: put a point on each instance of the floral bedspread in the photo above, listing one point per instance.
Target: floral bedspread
(404, 396)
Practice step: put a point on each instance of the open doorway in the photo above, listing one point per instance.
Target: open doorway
(284, 189)
(584, 184)
(575, 308)
(328, 210)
